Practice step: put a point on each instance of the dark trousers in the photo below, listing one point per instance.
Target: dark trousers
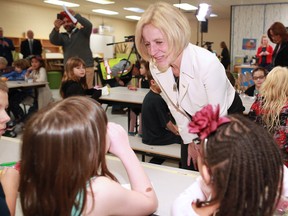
(184, 155)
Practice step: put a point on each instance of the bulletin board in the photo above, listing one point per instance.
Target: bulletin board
(98, 45)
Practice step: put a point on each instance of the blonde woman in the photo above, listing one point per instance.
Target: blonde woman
(271, 107)
(189, 76)
(264, 52)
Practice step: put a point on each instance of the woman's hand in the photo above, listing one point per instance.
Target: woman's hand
(192, 155)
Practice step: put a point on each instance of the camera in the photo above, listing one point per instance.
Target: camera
(129, 38)
(60, 16)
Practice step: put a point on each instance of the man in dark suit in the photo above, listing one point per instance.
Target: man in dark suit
(31, 46)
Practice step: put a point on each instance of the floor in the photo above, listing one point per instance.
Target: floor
(119, 119)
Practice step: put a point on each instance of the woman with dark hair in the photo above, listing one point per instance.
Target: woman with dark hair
(225, 56)
(277, 33)
(63, 166)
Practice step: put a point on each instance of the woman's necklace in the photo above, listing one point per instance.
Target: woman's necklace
(176, 84)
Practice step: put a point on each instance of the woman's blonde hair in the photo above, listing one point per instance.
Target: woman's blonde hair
(170, 21)
(275, 93)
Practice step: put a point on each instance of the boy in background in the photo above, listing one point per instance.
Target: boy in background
(157, 125)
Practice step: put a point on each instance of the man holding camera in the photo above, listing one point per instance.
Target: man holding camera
(75, 41)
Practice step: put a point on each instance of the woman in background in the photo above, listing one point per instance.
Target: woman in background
(277, 33)
(225, 56)
(271, 108)
(63, 165)
(264, 53)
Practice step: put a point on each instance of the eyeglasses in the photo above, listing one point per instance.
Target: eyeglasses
(258, 78)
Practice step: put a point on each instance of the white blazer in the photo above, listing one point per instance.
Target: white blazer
(202, 81)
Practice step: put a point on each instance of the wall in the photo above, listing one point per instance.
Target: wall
(252, 21)
(17, 18)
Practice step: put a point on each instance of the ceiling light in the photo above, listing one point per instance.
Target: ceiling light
(103, 11)
(133, 17)
(101, 1)
(67, 4)
(213, 15)
(133, 9)
(203, 12)
(185, 6)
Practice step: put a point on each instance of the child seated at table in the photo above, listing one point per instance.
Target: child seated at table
(157, 122)
(37, 73)
(74, 80)
(240, 165)
(20, 70)
(16, 95)
(9, 177)
(3, 66)
(258, 75)
(63, 165)
(134, 112)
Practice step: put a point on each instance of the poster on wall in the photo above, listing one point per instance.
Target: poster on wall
(249, 44)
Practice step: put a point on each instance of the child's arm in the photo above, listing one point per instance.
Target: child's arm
(10, 183)
(141, 199)
(173, 128)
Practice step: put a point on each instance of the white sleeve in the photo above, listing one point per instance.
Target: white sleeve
(182, 206)
(42, 77)
(285, 181)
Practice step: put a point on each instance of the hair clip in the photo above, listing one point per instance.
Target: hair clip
(206, 121)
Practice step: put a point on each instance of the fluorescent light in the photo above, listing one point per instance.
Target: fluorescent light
(133, 17)
(67, 4)
(103, 11)
(203, 12)
(133, 9)
(213, 15)
(185, 6)
(101, 1)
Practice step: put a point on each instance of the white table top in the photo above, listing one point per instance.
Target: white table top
(168, 182)
(123, 94)
(23, 84)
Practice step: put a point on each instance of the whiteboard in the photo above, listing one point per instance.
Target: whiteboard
(98, 45)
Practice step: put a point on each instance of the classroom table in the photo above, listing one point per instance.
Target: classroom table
(168, 182)
(24, 84)
(124, 97)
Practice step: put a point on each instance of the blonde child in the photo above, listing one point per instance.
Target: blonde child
(143, 83)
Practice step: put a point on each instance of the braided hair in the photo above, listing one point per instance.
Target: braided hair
(246, 168)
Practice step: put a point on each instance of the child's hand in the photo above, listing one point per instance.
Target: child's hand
(119, 142)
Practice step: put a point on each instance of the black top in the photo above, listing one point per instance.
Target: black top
(74, 88)
(4, 211)
(155, 116)
(225, 60)
(280, 57)
(144, 83)
(36, 48)
(250, 91)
